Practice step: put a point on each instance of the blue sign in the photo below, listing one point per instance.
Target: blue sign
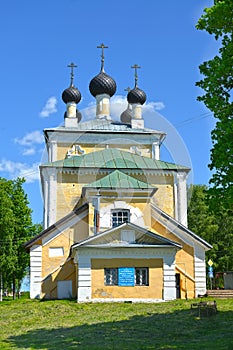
(126, 276)
(210, 274)
(210, 268)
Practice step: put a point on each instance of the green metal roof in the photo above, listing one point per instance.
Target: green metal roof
(118, 180)
(112, 158)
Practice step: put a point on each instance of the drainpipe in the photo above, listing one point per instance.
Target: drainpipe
(96, 204)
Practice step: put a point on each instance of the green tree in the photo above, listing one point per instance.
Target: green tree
(22, 233)
(223, 242)
(6, 234)
(215, 228)
(15, 229)
(200, 219)
(217, 84)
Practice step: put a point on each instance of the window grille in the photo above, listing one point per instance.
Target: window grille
(120, 216)
(111, 277)
(141, 276)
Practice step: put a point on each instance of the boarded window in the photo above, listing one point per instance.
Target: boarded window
(128, 236)
(56, 251)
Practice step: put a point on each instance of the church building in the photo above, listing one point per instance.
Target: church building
(115, 214)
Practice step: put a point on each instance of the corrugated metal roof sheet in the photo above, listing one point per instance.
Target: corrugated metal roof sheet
(107, 125)
(117, 179)
(112, 158)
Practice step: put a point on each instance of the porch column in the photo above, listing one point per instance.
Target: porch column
(35, 271)
(84, 278)
(169, 279)
(199, 270)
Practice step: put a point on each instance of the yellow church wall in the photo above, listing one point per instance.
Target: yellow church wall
(69, 189)
(164, 198)
(164, 195)
(81, 230)
(185, 267)
(76, 233)
(62, 150)
(58, 268)
(153, 291)
(51, 263)
(184, 261)
(65, 273)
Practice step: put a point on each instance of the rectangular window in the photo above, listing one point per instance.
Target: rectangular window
(141, 277)
(120, 216)
(111, 277)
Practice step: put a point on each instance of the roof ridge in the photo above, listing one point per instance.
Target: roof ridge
(80, 160)
(179, 225)
(122, 176)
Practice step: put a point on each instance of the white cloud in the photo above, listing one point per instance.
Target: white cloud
(29, 141)
(17, 169)
(89, 112)
(50, 107)
(34, 137)
(118, 104)
(154, 106)
(29, 151)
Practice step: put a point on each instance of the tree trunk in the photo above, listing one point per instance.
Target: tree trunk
(1, 286)
(18, 289)
(14, 287)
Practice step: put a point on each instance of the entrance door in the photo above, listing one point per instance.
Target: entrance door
(177, 286)
(64, 289)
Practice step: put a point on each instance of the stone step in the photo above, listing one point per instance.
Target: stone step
(220, 293)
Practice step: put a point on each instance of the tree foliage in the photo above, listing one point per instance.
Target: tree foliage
(217, 84)
(215, 228)
(200, 219)
(15, 229)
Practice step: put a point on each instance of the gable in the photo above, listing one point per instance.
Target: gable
(177, 229)
(60, 226)
(117, 179)
(127, 235)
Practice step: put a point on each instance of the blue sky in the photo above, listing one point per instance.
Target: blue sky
(39, 39)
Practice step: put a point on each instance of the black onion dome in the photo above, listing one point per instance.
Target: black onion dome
(102, 84)
(71, 94)
(78, 115)
(126, 116)
(136, 95)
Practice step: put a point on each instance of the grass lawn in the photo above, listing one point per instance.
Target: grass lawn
(63, 324)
